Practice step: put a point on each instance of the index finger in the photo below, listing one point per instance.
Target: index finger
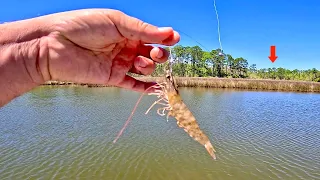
(135, 29)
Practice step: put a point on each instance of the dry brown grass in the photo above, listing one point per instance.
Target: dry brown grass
(236, 83)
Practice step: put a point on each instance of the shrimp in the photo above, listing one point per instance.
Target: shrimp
(178, 109)
(168, 96)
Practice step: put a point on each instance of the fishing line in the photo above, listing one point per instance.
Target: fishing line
(170, 61)
(170, 52)
(217, 15)
(219, 38)
(193, 40)
(218, 30)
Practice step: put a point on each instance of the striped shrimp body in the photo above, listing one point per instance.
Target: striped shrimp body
(168, 96)
(187, 121)
(176, 108)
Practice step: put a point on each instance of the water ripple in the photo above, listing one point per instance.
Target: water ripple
(67, 133)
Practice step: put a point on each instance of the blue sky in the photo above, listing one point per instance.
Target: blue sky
(248, 27)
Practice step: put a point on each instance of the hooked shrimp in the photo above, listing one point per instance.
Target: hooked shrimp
(169, 97)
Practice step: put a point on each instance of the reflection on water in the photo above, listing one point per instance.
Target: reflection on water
(67, 133)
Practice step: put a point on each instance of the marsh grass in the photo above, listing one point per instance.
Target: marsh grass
(230, 83)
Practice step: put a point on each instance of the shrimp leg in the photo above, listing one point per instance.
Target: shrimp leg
(156, 102)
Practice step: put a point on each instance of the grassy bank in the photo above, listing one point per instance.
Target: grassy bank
(236, 83)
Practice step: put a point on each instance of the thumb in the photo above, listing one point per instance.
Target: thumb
(135, 29)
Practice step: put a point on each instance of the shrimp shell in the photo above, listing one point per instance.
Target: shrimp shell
(188, 122)
(173, 103)
(185, 118)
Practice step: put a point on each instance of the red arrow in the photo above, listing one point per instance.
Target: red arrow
(273, 56)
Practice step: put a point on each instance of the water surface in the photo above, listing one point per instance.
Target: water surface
(67, 133)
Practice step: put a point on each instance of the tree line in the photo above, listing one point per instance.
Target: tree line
(195, 62)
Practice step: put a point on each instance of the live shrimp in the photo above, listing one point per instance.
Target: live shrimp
(168, 96)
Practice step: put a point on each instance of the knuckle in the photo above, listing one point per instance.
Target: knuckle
(116, 12)
(142, 27)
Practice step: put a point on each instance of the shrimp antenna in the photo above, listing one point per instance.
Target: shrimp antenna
(131, 115)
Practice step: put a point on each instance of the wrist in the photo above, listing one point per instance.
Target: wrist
(24, 30)
(22, 59)
(26, 41)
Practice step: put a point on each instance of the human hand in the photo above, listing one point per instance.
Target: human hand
(100, 46)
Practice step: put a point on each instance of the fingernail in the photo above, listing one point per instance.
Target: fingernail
(163, 29)
(142, 64)
(160, 53)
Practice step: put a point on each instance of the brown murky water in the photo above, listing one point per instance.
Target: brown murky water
(67, 133)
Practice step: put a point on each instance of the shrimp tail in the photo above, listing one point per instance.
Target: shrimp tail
(185, 118)
(210, 150)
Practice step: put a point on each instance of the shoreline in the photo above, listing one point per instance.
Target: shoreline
(224, 83)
